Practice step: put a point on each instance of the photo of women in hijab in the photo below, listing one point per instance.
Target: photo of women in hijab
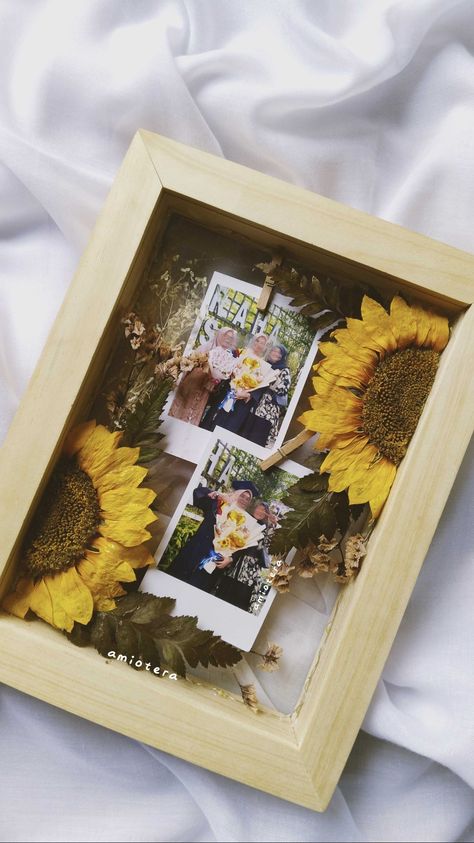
(187, 565)
(266, 405)
(194, 389)
(241, 583)
(235, 418)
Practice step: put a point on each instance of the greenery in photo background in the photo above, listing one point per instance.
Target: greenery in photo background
(185, 528)
(227, 463)
(239, 311)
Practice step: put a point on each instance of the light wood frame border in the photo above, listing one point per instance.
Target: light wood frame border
(298, 757)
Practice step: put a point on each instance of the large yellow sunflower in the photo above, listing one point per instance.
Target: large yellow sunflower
(88, 532)
(370, 390)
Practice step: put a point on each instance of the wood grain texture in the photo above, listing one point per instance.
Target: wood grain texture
(189, 720)
(339, 687)
(332, 228)
(298, 757)
(74, 358)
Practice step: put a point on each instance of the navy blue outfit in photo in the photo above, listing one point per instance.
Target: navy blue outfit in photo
(264, 410)
(185, 565)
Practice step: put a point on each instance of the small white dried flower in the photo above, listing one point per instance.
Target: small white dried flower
(271, 658)
(249, 697)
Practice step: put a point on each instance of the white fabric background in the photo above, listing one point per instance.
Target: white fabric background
(368, 102)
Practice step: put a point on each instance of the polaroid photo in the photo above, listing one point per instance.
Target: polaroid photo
(213, 555)
(254, 367)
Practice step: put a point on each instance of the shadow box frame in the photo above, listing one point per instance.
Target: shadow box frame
(300, 756)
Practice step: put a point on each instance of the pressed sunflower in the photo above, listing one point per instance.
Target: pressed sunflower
(88, 532)
(370, 389)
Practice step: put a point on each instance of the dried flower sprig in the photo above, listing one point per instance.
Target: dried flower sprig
(341, 559)
(354, 552)
(278, 574)
(270, 659)
(249, 697)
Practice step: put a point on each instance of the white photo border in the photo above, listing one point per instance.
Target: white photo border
(186, 440)
(234, 625)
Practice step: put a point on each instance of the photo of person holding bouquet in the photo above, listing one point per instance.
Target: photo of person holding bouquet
(225, 528)
(240, 582)
(215, 551)
(268, 402)
(195, 387)
(250, 372)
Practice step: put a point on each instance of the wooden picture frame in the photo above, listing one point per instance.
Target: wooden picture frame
(298, 757)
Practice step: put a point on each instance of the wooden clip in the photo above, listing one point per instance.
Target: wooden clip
(286, 449)
(265, 293)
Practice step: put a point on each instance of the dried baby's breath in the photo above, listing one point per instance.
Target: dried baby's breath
(279, 575)
(314, 562)
(354, 552)
(271, 658)
(249, 697)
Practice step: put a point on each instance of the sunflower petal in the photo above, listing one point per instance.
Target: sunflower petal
(335, 440)
(377, 321)
(77, 438)
(126, 476)
(343, 372)
(340, 396)
(356, 351)
(125, 534)
(355, 381)
(438, 335)
(100, 444)
(322, 422)
(374, 486)
(423, 325)
(111, 551)
(109, 564)
(361, 335)
(61, 600)
(114, 461)
(119, 503)
(346, 456)
(341, 478)
(18, 602)
(403, 322)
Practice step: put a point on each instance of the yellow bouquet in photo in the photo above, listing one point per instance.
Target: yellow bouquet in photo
(250, 372)
(234, 530)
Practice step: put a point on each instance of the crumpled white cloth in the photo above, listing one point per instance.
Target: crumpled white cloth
(370, 103)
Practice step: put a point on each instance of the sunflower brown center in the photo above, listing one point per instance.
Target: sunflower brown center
(66, 520)
(394, 399)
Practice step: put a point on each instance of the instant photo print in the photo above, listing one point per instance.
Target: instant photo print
(254, 367)
(215, 553)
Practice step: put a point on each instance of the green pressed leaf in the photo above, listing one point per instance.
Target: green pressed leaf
(80, 635)
(103, 633)
(305, 524)
(357, 510)
(342, 512)
(141, 626)
(320, 296)
(126, 637)
(141, 426)
(147, 610)
(314, 462)
(313, 511)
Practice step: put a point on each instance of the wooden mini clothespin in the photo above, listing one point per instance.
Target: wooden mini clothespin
(269, 283)
(286, 449)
